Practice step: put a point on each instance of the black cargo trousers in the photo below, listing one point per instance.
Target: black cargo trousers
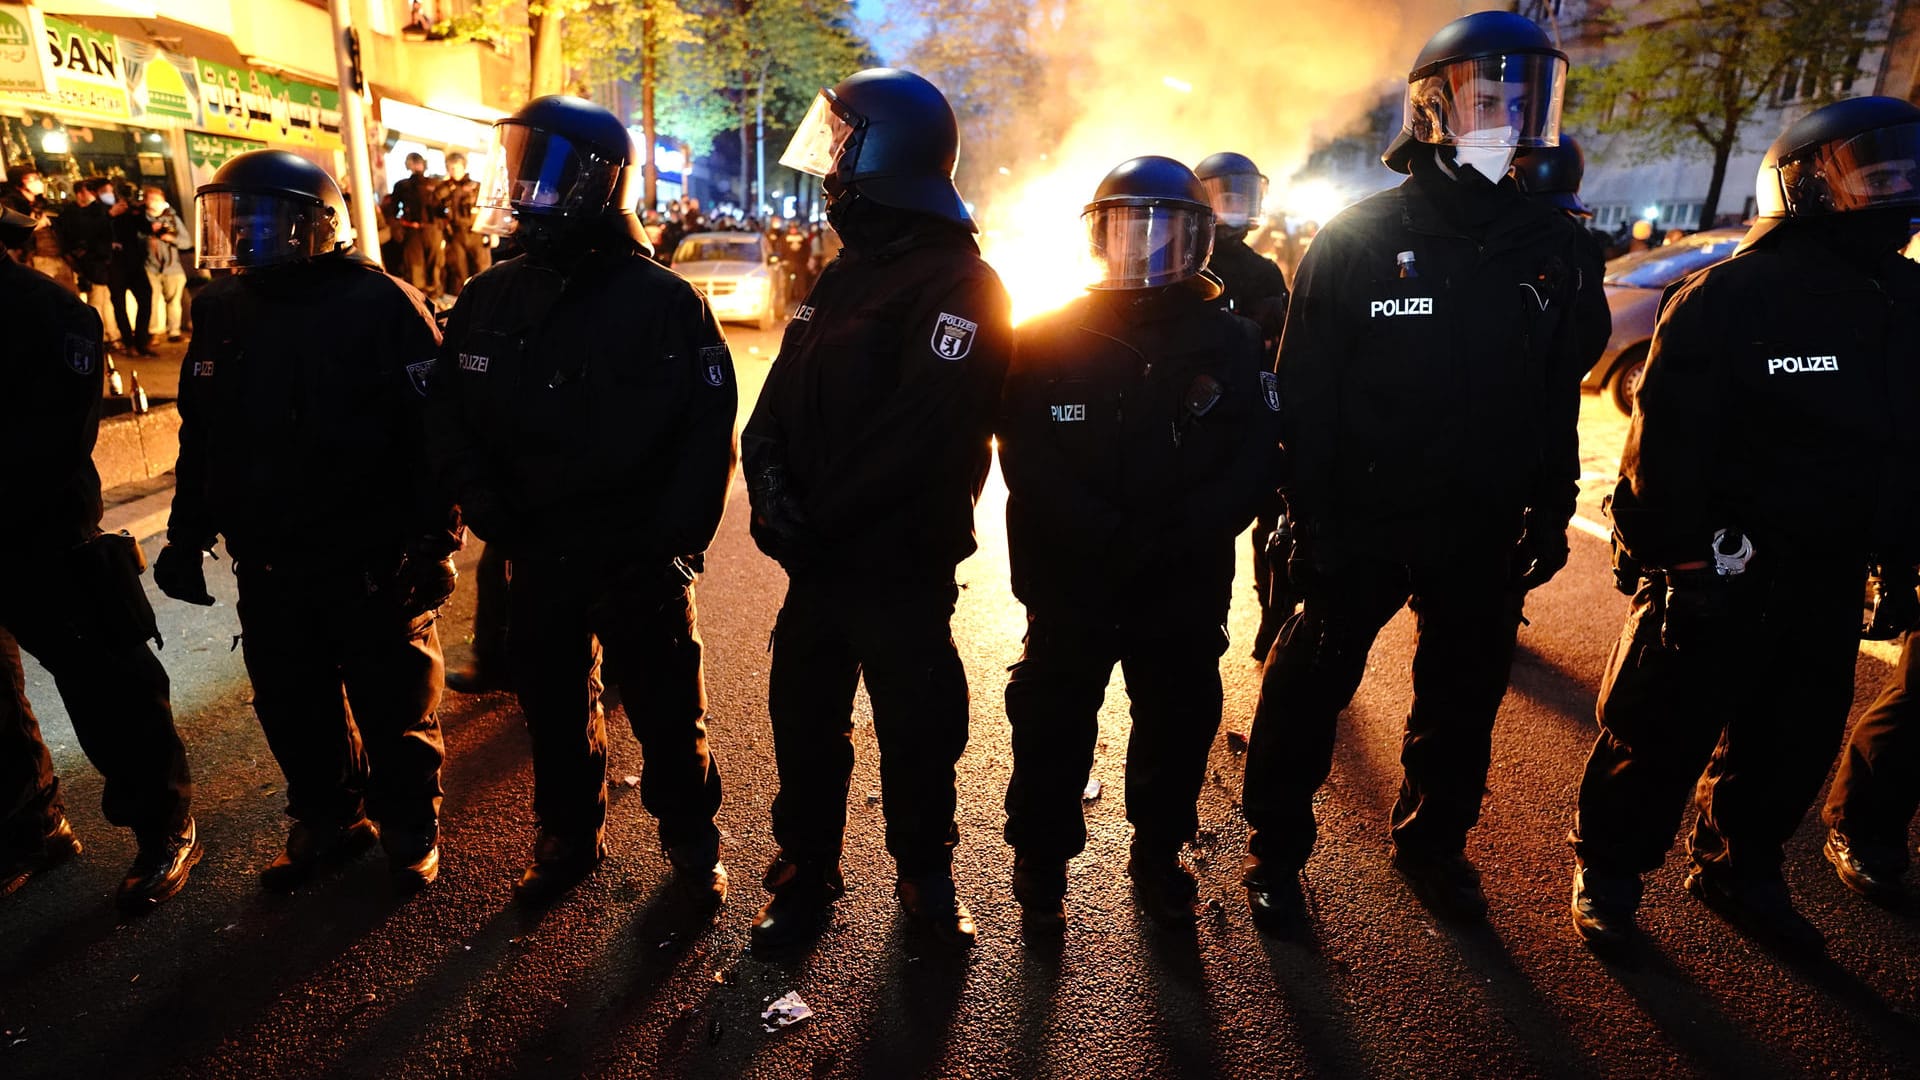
(567, 622)
(1877, 792)
(1468, 617)
(57, 607)
(1054, 696)
(831, 633)
(347, 687)
(1762, 708)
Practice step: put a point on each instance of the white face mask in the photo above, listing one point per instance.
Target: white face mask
(107, 197)
(1491, 161)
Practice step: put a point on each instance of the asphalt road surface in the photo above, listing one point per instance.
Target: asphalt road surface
(343, 979)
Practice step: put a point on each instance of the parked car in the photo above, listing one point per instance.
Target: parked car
(1634, 284)
(736, 271)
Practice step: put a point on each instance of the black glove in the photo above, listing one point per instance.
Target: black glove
(1541, 553)
(1697, 606)
(779, 525)
(1308, 569)
(423, 582)
(1896, 605)
(179, 573)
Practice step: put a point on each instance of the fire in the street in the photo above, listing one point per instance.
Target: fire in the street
(1270, 84)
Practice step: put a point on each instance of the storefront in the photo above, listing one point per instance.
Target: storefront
(132, 109)
(431, 133)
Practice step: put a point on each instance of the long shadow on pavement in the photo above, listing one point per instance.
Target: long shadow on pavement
(909, 1029)
(1185, 1026)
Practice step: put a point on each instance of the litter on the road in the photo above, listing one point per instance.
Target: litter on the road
(873, 798)
(1236, 742)
(630, 780)
(786, 1011)
(1092, 792)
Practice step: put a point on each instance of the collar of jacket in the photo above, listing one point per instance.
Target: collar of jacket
(1121, 315)
(1511, 220)
(932, 234)
(1823, 271)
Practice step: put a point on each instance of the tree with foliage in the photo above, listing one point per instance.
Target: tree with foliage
(983, 56)
(1695, 71)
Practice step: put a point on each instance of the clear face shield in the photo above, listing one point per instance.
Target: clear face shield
(241, 230)
(821, 137)
(1147, 246)
(540, 172)
(1873, 170)
(1489, 103)
(1236, 199)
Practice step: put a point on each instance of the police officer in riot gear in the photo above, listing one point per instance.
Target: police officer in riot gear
(340, 574)
(467, 252)
(1430, 382)
(70, 596)
(418, 215)
(1138, 435)
(865, 455)
(584, 423)
(1256, 289)
(1757, 487)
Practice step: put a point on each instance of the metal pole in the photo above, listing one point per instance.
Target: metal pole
(760, 145)
(366, 214)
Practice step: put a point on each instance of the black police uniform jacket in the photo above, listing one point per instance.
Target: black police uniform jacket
(1256, 288)
(1781, 401)
(416, 200)
(1138, 439)
(51, 376)
(881, 404)
(1427, 412)
(456, 201)
(588, 414)
(302, 418)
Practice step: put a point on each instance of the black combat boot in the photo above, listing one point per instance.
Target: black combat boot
(803, 896)
(1604, 906)
(1275, 898)
(50, 849)
(1041, 887)
(312, 847)
(1758, 907)
(1447, 884)
(413, 855)
(935, 907)
(1874, 878)
(159, 868)
(699, 876)
(1164, 887)
(559, 863)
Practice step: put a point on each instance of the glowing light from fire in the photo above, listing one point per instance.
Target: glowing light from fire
(1312, 200)
(1180, 85)
(1036, 243)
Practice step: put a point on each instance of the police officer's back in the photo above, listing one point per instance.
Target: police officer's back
(303, 445)
(70, 596)
(584, 423)
(1768, 465)
(864, 456)
(1431, 391)
(1137, 435)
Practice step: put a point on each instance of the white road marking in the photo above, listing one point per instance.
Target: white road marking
(1592, 528)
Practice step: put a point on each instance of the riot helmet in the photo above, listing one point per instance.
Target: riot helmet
(1858, 156)
(1483, 85)
(561, 157)
(887, 134)
(1552, 174)
(266, 208)
(1236, 188)
(1149, 225)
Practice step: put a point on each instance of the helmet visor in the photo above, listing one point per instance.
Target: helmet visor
(1505, 100)
(241, 229)
(1879, 168)
(818, 141)
(544, 172)
(1236, 199)
(1146, 246)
